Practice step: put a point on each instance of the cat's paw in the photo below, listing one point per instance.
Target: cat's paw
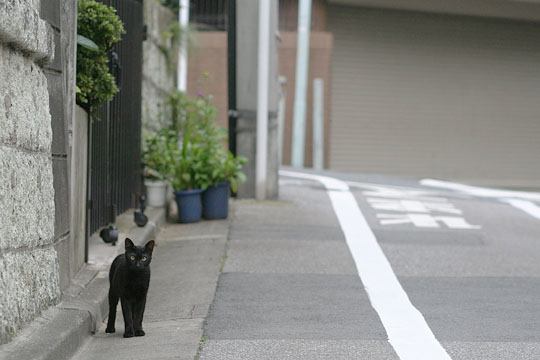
(110, 330)
(139, 332)
(128, 334)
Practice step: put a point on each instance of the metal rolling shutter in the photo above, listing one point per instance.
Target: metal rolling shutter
(434, 95)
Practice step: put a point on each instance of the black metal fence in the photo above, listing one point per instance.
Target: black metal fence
(208, 15)
(115, 138)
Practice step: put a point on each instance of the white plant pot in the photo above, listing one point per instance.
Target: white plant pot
(156, 193)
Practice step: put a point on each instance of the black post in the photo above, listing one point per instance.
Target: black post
(231, 55)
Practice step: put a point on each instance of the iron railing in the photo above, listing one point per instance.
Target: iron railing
(208, 15)
(115, 138)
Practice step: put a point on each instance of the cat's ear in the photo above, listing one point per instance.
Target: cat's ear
(149, 247)
(129, 244)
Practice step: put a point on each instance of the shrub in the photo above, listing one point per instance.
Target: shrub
(99, 23)
(159, 150)
(171, 4)
(203, 159)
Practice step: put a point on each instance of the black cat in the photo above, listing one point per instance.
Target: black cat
(129, 279)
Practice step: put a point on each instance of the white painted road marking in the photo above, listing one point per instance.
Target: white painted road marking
(407, 330)
(426, 221)
(525, 205)
(481, 191)
(518, 199)
(400, 192)
(415, 207)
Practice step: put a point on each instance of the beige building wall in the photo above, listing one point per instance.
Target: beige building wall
(207, 74)
(207, 70)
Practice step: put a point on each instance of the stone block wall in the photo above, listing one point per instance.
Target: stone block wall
(158, 77)
(34, 212)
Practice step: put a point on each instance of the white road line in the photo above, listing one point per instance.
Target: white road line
(525, 205)
(517, 199)
(407, 330)
(480, 191)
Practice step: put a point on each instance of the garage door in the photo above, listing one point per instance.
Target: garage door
(434, 95)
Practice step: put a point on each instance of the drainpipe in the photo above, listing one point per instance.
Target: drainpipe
(318, 124)
(300, 98)
(262, 99)
(183, 21)
(231, 75)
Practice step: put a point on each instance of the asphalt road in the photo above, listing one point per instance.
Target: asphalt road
(290, 287)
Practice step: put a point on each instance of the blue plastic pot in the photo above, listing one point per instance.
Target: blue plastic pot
(189, 205)
(215, 201)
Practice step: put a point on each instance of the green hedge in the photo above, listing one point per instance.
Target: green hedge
(99, 23)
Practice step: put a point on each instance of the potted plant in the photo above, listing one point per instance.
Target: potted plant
(203, 170)
(157, 159)
(226, 175)
(187, 178)
(218, 170)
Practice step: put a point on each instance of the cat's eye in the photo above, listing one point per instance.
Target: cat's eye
(144, 258)
(132, 257)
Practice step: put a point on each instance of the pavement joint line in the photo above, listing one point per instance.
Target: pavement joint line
(407, 330)
(174, 319)
(194, 237)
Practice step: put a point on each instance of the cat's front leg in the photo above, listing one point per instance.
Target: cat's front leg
(113, 302)
(127, 311)
(138, 312)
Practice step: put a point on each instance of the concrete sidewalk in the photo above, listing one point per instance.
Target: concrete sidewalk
(62, 329)
(185, 268)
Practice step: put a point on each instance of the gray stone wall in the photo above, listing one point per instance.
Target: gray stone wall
(158, 79)
(34, 214)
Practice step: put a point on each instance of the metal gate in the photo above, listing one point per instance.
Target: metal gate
(115, 138)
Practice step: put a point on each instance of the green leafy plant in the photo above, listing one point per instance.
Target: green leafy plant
(86, 43)
(176, 104)
(171, 39)
(230, 170)
(159, 150)
(202, 160)
(97, 24)
(171, 4)
(188, 168)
